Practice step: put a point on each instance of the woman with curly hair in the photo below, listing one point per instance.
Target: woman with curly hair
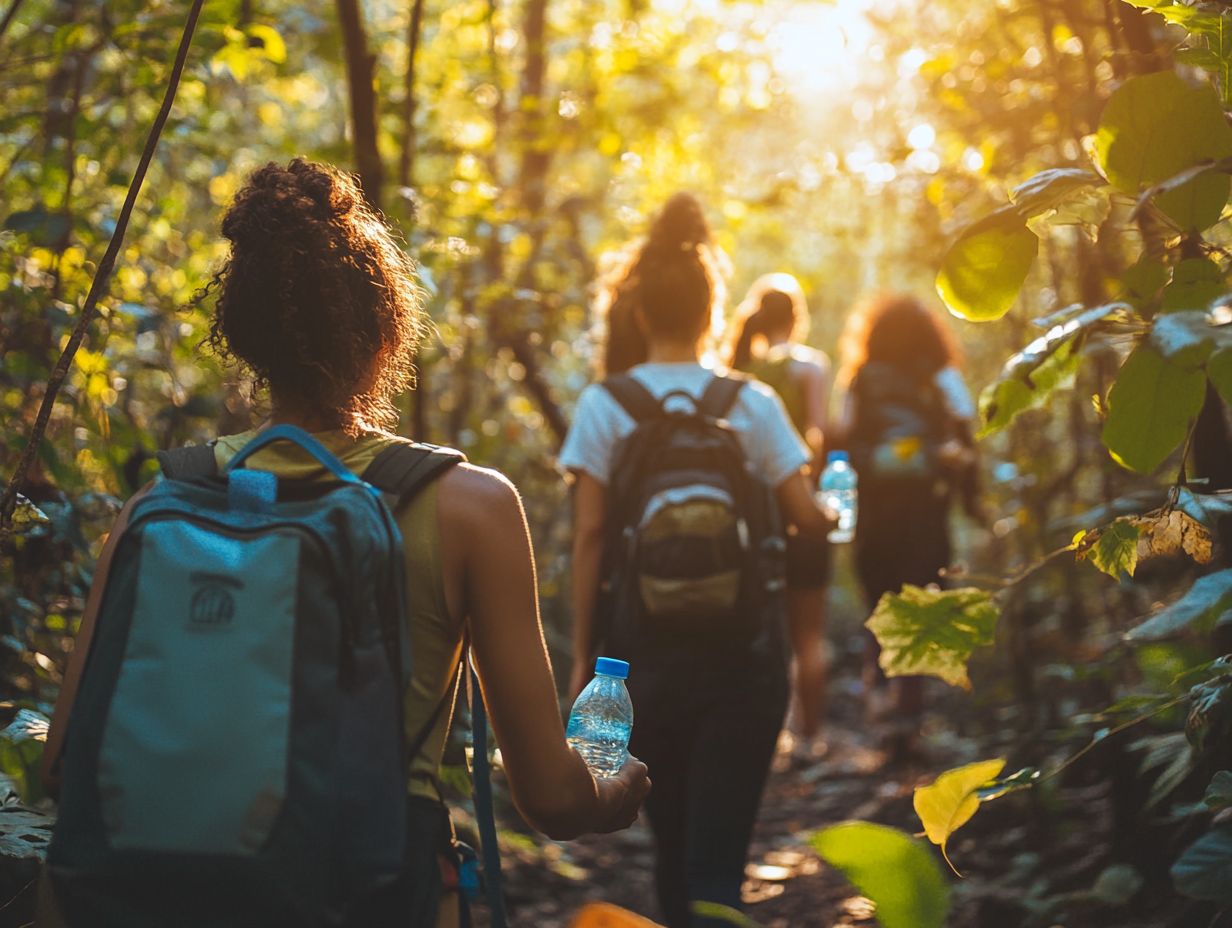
(772, 324)
(907, 421)
(708, 701)
(319, 302)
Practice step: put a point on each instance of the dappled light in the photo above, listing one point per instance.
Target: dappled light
(863, 369)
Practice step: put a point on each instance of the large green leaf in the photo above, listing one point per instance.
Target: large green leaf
(1045, 365)
(1211, 26)
(948, 803)
(1204, 871)
(1196, 283)
(1150, 408)
(933, 632)
(1206, 603)
(892, 869)
(983, 271)
(1156, 126)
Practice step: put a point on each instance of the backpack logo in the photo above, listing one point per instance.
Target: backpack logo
(212, 605)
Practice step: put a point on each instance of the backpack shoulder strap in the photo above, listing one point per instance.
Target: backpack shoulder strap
(633, 398)
(720, 394)
(188, 462)
(403, 468)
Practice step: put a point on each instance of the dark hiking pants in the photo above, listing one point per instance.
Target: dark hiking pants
(708, 740)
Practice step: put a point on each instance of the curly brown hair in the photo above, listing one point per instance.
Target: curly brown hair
(899, 330)
(316, 296)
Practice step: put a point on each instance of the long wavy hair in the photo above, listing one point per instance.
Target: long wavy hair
(674, 277)
(899, 330)
(316, 297)
(775, 303)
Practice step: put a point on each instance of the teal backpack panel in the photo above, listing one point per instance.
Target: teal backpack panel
(207, 605)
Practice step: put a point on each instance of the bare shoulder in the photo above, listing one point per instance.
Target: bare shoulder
(471, 496)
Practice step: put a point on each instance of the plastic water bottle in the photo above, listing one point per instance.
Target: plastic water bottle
(602, 719)
(838, 492)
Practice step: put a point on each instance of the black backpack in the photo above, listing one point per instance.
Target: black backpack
(694, 545)
(900, 422)
(237, 753)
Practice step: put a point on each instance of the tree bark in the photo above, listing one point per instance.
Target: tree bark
(360, 65)
(536, 153)
(406, 163)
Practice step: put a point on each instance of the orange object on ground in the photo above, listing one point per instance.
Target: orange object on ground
(606, 915)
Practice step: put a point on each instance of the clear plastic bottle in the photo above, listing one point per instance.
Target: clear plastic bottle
(602, 719)
(838, 492)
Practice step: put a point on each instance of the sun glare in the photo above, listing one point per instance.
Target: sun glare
(822, 46)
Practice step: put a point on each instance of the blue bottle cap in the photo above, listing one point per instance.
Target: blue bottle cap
(612, 667)
(836, 456)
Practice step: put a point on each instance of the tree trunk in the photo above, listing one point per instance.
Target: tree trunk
(536, 152)
(360, 64)
(406, 163)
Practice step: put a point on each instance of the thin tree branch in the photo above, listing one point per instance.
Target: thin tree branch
(406, 163)
(9, 16)
(101, 279)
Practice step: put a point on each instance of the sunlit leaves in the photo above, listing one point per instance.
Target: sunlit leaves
(1196, 283)
(948, 803)
(1150, 408)
(1156, 126)
(983, 271)
(1213, 27)
(1044, 365)
(1207, 603)
(1113, 549)
(891, 868)
(930, 631)
(1049, 189)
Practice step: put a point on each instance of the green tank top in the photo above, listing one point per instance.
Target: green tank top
(436, 636)
(774, 370)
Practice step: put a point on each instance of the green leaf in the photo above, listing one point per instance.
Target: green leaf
(1209, 722)
(1219, 369)
(1047, 364)
(892, 869)
(1204, 870)
(1205, 604)
(1219, 792)
(1144, 279)
(1117, 884)
(269, 41)
(1150, 408)
(933, 632)
(43, 227)
(948, 803)
(1049, 189)
(983, 271)
(1156, 126)
(1196, 283)
(1115, 549)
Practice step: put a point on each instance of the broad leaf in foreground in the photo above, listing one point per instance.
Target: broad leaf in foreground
(1112, 549)
(933, 632)
(1206, 603)
(1204, 871)
(1153, 128)
(983, 271)
(1150, 408)
(948, 803)
(892, 869)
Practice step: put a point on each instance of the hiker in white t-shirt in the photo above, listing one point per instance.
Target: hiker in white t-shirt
(706, 717)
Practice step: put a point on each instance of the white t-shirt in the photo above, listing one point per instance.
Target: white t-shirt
(757, 416)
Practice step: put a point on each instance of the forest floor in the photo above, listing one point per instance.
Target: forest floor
(1026, 861)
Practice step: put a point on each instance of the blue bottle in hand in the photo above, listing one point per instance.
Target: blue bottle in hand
(602, 719)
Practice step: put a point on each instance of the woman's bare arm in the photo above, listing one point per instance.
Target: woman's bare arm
(801, 508)
(589, 508)
(50, 768)
(816, 382)
(482, 516)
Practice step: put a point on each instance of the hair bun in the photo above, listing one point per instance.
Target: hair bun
(279, 199)
(680, 226)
